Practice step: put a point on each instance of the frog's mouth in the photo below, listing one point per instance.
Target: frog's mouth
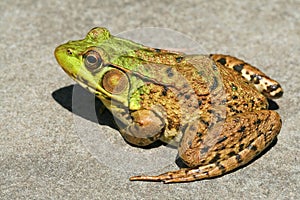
(85, 84)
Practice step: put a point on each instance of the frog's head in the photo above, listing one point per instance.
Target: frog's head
(92, 63)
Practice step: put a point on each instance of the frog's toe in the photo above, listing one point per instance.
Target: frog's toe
(168, 177)
(177, 176)
(147, 178)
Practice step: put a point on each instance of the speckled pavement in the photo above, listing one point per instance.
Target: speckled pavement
(43, 157)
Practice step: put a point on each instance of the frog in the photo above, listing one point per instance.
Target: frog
(212, 108)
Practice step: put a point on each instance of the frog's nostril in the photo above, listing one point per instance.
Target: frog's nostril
(69, 51)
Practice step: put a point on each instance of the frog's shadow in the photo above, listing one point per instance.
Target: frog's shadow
(77, 100)
(64, 96)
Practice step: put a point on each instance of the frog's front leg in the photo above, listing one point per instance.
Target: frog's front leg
(264, 84)
(141, 127)
(241, 139)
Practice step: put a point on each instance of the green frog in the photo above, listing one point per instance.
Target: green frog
(212, 108)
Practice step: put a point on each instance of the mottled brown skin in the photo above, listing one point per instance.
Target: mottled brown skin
(246, 130)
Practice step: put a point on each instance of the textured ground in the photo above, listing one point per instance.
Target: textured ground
(43, 155)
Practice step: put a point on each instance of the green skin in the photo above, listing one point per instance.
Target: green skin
(122, 55)
(214, 109)
(71, 57)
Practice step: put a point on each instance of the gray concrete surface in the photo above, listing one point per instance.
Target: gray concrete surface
(43, 157)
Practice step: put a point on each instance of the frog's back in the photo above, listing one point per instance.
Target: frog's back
(213, 82)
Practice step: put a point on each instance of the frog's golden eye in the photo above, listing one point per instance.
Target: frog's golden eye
(92, 60)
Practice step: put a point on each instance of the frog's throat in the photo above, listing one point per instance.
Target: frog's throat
(104, 96)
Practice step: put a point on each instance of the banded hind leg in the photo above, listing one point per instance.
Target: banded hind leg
(242, 138)
(267, 86)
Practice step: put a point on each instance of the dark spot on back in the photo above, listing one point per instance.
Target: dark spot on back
(199, 102)
(204, 150)
(232, 153)
(223, 102)
(222, 147)
(204, 122)
(242, 129)
(157, 50)
(222, 139)
(241, 147)
(215, 84)
(165, 91)
(215, 158)
(179, 59)
(187, 96)
(238, 158)
(257, 122)
(190, 144)
(192, 128)
(221, 167)
(239, 67)
(203, 161)
(184, 128)
(214, 67)
(170, 72)
(199, 134)
(234, 97)
(219, 117)
(222, 61)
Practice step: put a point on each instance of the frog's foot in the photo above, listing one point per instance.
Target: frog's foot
(188, 174)
(181, 175)
(184, 174)
(267, 86)
(209, 170)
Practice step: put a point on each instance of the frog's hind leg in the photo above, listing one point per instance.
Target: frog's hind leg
(267, 86)
(242, 138)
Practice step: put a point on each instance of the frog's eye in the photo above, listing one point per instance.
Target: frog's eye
(92, 60)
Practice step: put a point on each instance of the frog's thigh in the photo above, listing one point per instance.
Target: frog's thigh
(243, 137)
(267, 86)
